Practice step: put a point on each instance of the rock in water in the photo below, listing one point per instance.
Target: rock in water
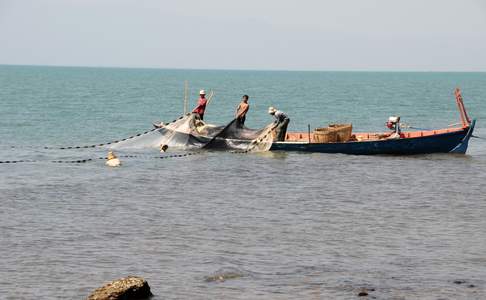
(363, 292)
(224, 274)
(128, 288)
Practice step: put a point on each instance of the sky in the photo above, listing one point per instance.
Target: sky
(363, 35)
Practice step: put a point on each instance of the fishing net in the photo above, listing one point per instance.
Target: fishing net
(189, 132)
(235, 136)
(264, 141)
(149, 140)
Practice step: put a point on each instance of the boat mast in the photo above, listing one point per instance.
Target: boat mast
(185, 96)
(462, 110)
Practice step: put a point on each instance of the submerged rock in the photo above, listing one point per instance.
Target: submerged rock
(128, 288)
(224, 274)
(363, 292)
(222, 277)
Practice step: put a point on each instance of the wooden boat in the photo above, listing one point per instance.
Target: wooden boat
(448, 140)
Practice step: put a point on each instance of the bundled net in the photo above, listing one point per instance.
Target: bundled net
(235, 136)
(264, 141)
(189, 132)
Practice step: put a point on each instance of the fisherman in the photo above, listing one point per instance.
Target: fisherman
(282, 121)
(394, 124)
(201, 105)
(241, 110)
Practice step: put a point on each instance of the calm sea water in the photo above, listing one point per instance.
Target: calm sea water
(273, 225)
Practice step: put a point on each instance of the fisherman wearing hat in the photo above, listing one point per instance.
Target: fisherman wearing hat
(201, 104)
(282, 122)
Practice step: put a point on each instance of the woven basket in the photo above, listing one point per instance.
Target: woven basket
(343, 131)
(333, 134)
(325, 135)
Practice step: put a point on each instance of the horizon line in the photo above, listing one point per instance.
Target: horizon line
(240, 69)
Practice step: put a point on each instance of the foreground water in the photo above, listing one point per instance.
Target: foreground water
(237, 226)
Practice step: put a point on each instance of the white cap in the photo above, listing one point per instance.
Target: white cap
(202, 92)
(271, 110)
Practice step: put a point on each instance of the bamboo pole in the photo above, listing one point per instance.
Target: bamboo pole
(211, 94)
(462, 110)
(308, 133)
(186, 88)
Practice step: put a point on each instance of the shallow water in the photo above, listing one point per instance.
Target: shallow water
(272, 225)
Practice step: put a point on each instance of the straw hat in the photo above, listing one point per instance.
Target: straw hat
(202, 92)
(271, 110)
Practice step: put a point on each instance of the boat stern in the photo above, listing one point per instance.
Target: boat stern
(461, 148)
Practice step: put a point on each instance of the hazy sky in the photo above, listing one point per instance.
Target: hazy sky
(397, 35)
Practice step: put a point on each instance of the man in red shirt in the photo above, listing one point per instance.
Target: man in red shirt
(201, 104)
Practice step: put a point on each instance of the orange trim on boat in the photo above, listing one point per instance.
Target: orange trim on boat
(373, 136)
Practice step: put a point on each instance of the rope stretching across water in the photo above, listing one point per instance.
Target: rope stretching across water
(107, 143)
(80, 161)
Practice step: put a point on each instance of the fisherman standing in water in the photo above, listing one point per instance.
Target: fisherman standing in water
(201, 104)
(241, 110)
(282, 122)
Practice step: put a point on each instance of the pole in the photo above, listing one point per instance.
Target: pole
(462, 110)
(211, 94)
(186, 88)
(308, 133)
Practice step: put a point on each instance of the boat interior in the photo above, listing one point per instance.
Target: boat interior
(305, 137)
(344, 131)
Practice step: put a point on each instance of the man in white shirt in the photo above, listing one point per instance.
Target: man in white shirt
(282, 121)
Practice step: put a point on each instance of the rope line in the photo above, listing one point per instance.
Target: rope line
(478, 137)
(102, 144)
(77, 161)
(80, 161)
(107, 143)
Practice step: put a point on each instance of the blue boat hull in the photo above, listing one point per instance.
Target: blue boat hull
(452, 142)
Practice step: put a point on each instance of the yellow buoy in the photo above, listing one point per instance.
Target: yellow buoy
(112, 160)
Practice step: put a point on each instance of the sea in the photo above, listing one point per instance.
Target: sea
(226, 225)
